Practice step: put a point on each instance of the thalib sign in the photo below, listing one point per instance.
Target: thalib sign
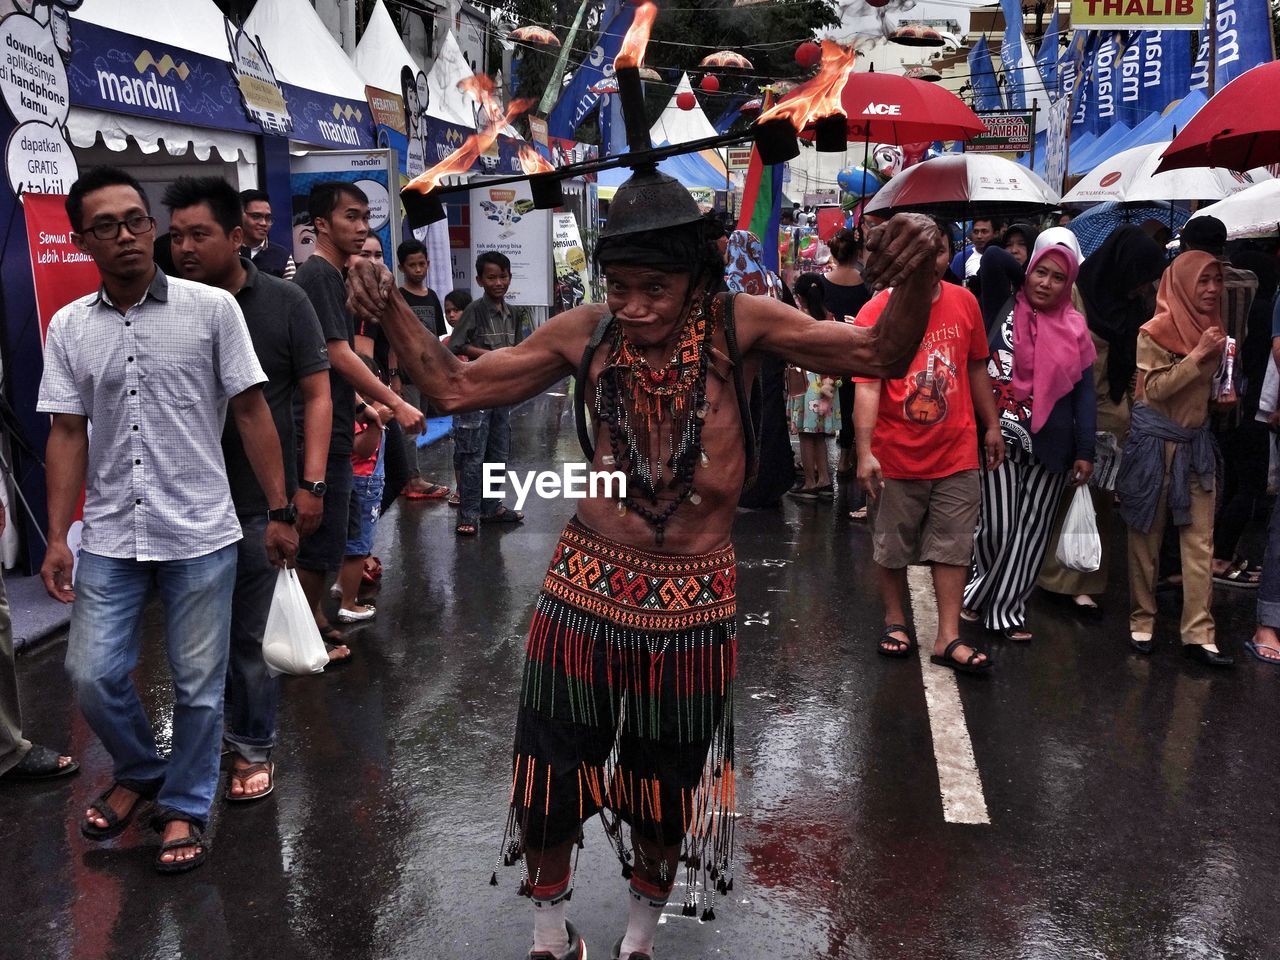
(1137, 14)
(1006, 133)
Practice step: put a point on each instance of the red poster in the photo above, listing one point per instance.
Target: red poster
(60, 271)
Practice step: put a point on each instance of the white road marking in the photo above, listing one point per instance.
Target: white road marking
(962, 798)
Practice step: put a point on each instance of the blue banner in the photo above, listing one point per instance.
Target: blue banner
(1155, 70)
(1047, 57)
(119, 72)
(1244, 42)
(1100, 90)
(577, 100)
(1011, 55)
(982, 76)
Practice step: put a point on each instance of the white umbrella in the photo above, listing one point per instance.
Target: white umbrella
(1250, 213)
(1130, 177)
(962, 185)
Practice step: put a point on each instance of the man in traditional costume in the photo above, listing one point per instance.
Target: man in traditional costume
(632, 644)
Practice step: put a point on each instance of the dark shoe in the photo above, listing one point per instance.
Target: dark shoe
(1140, 645)
(1018, 634)
(40, 763)
(577, 948)
(891, 646)
(194, 838)
(969, 665)
(115, 824)
(1198, 654)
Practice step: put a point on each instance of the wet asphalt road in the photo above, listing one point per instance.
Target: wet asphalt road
(1132, 801)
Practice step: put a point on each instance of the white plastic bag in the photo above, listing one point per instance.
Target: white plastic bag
(1079, 546)
(292, 641)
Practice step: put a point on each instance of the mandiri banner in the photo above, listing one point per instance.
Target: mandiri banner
(1137, 14)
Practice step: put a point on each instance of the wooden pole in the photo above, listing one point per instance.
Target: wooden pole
(1213, 47)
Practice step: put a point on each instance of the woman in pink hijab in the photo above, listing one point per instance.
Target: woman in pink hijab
(1041, 370)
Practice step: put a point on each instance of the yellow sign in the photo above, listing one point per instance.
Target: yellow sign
(1137, 14)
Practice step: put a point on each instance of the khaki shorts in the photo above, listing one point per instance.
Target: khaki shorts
(925, 521)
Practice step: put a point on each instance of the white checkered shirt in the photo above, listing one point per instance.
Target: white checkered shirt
(154, 384)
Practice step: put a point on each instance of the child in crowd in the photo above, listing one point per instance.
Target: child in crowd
(454, 303)
(366, 504)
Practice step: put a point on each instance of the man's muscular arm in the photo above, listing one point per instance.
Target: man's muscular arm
(902, 256)
(497, 378)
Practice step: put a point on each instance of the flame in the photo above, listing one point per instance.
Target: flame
(461, 160)
(819, 97)
(631, 54)
(482, 87)
(531, 161)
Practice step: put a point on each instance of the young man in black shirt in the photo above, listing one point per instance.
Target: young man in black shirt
(340, 215)
(422, 300)
(206, 240)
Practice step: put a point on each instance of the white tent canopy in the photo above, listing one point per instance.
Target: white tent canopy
(301, 49)
(195, 25)
(446, 101)
(681, 126)
(381, 53)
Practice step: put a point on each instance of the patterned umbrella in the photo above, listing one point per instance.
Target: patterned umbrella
(726, 58)
(648, 73)
(1099, 222)
(537, 36)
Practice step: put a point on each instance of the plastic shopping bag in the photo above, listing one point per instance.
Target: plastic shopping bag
(292, 641)
(1079, 546)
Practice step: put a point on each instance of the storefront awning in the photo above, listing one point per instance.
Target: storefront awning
(84, 126)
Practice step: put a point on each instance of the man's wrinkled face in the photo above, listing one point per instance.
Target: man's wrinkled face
(649, 303)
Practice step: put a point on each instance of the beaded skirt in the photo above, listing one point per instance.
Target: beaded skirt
(626, 708)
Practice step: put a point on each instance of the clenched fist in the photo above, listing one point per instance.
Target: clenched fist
(904, 246)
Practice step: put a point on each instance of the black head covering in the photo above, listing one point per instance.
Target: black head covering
(1264, 266)
(1126, 260)
(1028, 232)
(655, 222)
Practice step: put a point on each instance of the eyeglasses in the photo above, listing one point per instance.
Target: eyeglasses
(110, 229)
(261, 217)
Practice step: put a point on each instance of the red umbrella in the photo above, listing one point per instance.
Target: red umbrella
(1234, 129)
(886, 108)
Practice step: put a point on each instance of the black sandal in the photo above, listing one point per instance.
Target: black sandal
(1008, 634)
(901, 648)
(194, 838)
(971, 665)
(337, 661)
(116, 824)
(40, 763)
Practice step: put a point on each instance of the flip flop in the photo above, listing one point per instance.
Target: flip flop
(902, 648)
(40, 763)
(1008, 634)
(1252, 646)
(1240, 575)
(970, 665)
(466, 528)
(433, 491)
(969, 616)
(503, 516)
(339, 661)
(454, 499)
(243, 774)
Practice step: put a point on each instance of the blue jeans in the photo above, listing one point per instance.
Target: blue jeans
(103, 650)
(1269, 587)
(479, 437)
(252, 693)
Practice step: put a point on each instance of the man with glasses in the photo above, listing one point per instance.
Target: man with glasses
(155, 363)
(267, 256)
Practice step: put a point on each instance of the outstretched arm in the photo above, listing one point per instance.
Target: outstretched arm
(902, 255)
(497, 378)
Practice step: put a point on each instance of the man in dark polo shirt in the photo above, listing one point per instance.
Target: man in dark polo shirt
(340, 213)
(256, 221)
(206, 239)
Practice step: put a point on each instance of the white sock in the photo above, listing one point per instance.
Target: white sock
(549, 931)
(642, 924)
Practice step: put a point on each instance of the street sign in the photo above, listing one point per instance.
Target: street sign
(738, 158)
(1006, 133)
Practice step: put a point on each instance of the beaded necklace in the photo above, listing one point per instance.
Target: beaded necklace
(633, 399)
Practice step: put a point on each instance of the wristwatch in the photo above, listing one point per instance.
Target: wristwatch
(287, 515)
(316, 488)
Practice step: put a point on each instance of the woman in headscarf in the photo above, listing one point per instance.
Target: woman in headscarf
(1041, 362)
(1003, 269)
(1245, 450)
(1114, 291)
(745, 272)
(1170, 458)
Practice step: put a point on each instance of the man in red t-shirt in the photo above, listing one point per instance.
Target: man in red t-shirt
(918, 462)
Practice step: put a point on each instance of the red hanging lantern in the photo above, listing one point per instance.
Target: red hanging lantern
(808, 54)
(686, 100)
(877, 3)
(710, 83)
